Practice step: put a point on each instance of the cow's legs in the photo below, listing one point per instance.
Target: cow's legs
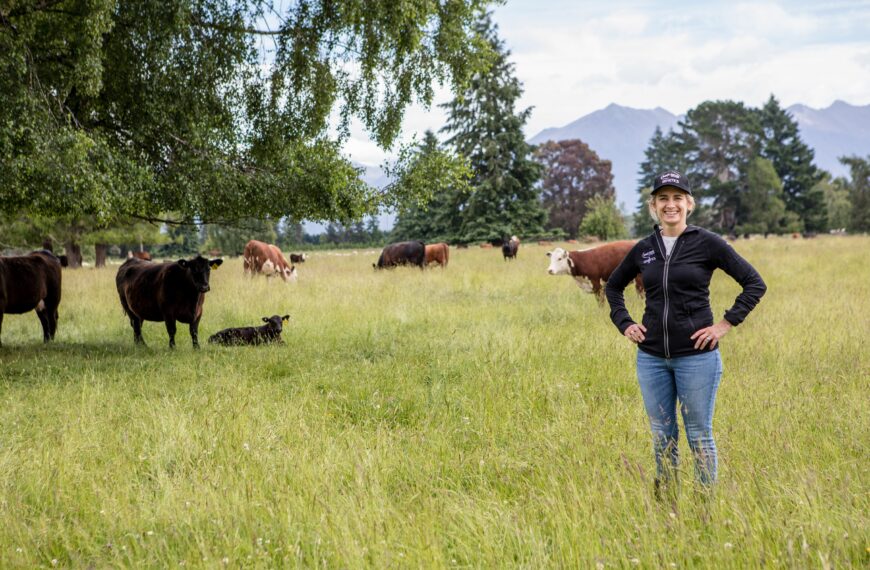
(170, 328)
(194, 332)
(599, 292)
(137, 330)
(52, 322)
(46, 324)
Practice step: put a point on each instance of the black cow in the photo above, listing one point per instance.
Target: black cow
(167, 292)
(29, 282)
(402, 253)
(298, 257)
(509, 248)
(270, 332)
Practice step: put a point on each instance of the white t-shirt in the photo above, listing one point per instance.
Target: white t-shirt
(669, 244)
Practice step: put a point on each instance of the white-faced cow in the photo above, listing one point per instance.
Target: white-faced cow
(402, 253)
(268, 333)
(591, 267)
(510, 248)
(298, 257)
(31, 282)
(167, 292)
(268, 259)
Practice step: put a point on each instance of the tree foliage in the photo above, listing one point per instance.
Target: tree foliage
(436, 216)
(859, 192)
(485, 127)
(793, 161)
(217, 110)
(717, 145)
(573, 174)
(603, 219)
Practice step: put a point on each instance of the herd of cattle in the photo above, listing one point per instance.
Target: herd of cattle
(173, 292)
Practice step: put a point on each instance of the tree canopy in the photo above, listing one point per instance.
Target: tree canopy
(214, 109)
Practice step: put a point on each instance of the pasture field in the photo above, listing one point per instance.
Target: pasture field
(485, 416)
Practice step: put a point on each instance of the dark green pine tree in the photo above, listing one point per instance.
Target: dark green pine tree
(859, 192)
(793, 161)
(486, 128)
(664, 152)
(438, 219)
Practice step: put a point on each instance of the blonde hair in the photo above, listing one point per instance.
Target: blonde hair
(652, 210)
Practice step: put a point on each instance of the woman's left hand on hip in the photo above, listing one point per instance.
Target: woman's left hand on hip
(711, 335)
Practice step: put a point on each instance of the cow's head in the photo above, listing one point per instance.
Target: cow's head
(275, 322)
(560, 262)
(290, 273)
(199, 269)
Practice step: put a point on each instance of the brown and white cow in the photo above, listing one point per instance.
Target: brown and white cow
(31, 282)
(298, 257)
(437, 253)
(168, 292)
(261, 257)
(591, 267)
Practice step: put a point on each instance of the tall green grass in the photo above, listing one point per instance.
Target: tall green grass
(486, 415)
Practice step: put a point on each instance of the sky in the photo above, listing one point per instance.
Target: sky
(577, 56)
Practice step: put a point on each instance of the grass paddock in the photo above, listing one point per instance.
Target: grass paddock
(486, 415)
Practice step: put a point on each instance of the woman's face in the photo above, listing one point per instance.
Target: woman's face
(671, 206)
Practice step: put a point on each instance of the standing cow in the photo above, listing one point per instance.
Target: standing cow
(31, 282)
(298, 257)
(510, 248)
(437, 253)
(268, 259)
(167, 292)
(402, 253)
(590, 267)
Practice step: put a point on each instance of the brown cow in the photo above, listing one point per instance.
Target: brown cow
(261, 257)
(167, 292)
(590, 267)
(437, 253)
(298, 257)
(31, 282)
(143, 255)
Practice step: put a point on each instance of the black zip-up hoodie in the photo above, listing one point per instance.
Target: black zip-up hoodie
(678, 289)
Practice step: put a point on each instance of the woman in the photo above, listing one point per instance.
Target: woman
(678, 340)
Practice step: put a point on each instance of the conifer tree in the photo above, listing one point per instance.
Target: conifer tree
(793, 161)
(486, 128)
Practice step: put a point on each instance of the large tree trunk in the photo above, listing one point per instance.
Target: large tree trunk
(73, 254)
(102, 251)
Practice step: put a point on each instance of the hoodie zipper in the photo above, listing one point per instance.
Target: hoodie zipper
(665, 285)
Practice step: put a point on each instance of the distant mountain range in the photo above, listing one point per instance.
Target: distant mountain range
(621, 134)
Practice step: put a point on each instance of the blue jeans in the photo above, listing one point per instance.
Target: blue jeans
(693, 380)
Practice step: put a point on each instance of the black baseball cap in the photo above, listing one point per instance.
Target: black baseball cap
(672, 178)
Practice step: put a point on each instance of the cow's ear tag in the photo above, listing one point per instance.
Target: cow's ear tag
(214, 266)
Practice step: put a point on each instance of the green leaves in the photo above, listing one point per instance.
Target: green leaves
(217, 109)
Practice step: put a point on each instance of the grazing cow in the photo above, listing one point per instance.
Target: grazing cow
(402, 253)
(143, 255)
(298, 257)
(510, 248)
(268, 333)
(437, 253)
(283, 268)
(31, 282)
(261, 257)
(167, 292)
(592, 266)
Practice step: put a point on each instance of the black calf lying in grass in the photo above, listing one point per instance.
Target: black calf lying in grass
(270, 332)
